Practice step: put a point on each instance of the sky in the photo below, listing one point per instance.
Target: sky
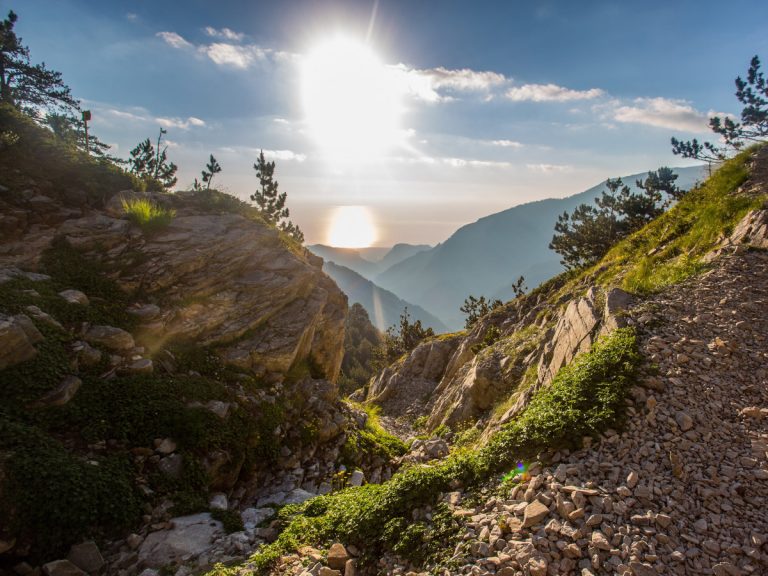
(427, 114)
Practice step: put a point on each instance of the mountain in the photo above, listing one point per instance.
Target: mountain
(347, 257)
(368, 262)
(493, 252)
(383, 307)
(400, 252)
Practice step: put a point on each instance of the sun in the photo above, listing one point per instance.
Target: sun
(352, 227)
(351, 100)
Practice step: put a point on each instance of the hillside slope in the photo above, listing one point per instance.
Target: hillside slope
(491, 254)
(383, 307)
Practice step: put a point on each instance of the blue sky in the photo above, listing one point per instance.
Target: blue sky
(497, 103)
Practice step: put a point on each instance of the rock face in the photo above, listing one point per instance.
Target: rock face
(459, 378)
(224, 280)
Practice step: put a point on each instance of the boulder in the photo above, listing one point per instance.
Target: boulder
(86, 556)
(74, 297)
(190, 536)
(62, 568)
(337, 556)
(63, 393)
(110, 337)
(18, 336)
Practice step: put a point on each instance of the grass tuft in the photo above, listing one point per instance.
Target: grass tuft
(146, 214)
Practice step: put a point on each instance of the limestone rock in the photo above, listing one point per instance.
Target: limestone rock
(75, 297)
(190, 535)
(534, 514)
(62, 568)
(337, 556)
(110, 337)
(63, 393)
(18, 336)
(86, 556)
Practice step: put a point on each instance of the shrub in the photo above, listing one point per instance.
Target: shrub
(146, 214)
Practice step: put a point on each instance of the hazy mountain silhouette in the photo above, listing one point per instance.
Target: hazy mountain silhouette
(367, 262)
(485, 257)
(383, 307)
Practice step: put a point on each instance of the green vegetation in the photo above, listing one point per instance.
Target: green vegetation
(752, 94)
(585, 398)
(271, 202)
(150, 164)
(361, 339)
(476, 308)
(671, 248)
(146, 214)
(584, 236)
(401, 339)
(371, 440)
(211, 169)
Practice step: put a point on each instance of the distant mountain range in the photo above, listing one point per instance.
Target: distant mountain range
(383, 307)
(485, 257)
(368, 262)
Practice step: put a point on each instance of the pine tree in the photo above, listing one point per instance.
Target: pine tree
(151, 164)
(270, 201)
(70, 129)
(476, 308)
(29, 87)
(212, 168)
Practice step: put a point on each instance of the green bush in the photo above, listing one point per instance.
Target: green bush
(146, 214)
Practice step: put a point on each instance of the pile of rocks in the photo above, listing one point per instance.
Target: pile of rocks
(683, 489)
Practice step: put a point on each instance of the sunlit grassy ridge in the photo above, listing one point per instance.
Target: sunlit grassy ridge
(584, 399)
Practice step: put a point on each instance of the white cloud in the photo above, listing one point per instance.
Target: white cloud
(549, 168)
(180, 123)
(233, 55)
(174, 40)
(430, 84)
(451, 161)
(506, 143)
(284, 155)
(131, 17)
(225, 33)
(550, 93)
(663, 113)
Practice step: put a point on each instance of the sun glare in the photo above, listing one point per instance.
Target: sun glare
(352, 227)
(351, 100)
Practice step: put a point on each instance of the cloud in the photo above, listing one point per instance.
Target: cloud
(549, 168)
(451, 161)
(506, 143)
(663, 113)
(225, 33)
(131, 17)
(233, 55)
(550, 93)
(174, 40)
(284, 155)
(180, 123)
(432, 84)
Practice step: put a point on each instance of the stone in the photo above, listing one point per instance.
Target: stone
(87, 355)
(252, 517)
(357, 478)
(171, 466)
(141, 366)
(62, 568)
(350, 568)
(166, 446)
(18, 335)
(684, 421)
(63, 393)
(726, 569)
(599, 540)
(325, 571)
(74, 297)
(190, 536)
(534, 514)
(337, 556)
(110, 337)
(632, 479)
(221, 409)
(639, 569)
(134, 541)
(218, 501)
(144, 311)
(7, 544)
(86, 556)
(537, 566)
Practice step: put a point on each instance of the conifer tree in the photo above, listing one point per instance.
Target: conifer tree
(151, 164)
(270, 201)
(212, 168)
